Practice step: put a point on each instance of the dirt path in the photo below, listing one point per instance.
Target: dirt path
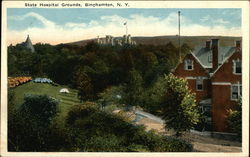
(200, 143)
(209, 144)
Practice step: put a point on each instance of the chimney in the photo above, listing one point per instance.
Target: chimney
(208, 42)
(238, 44)
(215, 53)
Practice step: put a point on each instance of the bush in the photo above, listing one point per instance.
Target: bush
(235, 119)
(81, 111)
(105, 143)
(41, 108)
(95, 130)
(30, 128)
(177, 145)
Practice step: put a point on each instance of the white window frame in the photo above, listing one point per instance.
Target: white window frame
(234, 67)
(186, 64)
(239, 91)
(199, 81)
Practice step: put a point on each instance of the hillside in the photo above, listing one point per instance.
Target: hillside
(66, 100)
(192, 41)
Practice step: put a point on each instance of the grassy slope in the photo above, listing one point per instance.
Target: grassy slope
(66, 100)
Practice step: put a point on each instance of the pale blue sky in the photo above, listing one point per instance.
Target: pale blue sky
(62, 16)
(212, 21)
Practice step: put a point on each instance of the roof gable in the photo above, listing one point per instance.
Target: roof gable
(203, 53)
(198, 68)
(222, 65)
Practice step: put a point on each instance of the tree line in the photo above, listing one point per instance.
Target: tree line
(135, 75)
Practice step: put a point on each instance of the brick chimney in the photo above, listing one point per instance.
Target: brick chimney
(208, 43)
(238, 44)
(215, 43)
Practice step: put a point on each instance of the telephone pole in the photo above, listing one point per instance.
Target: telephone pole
(179, 35)
(126, 26)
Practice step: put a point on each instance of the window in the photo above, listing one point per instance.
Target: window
(210, 58)
(188, 64)
(237, 66)
(199, 84)
(236, 91)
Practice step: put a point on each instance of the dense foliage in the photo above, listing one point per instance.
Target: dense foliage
(235, 119)
(97, 66)
(31, 127)
(180, 103)
(169, 98)
(94, 130)
(109, 75)
(87, 128)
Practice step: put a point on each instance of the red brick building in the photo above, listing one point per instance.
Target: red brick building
(214, 74)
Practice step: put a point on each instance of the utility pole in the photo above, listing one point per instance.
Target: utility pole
(179, 35)
(126, 25)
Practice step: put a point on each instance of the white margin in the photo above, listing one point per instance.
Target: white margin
(139, 4)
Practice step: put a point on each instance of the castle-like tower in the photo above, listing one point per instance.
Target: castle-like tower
(126, 39)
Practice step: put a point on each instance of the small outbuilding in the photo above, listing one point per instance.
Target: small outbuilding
(64, 90)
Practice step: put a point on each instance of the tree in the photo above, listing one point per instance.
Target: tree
(93, 130)
(30, 127)
(84, 85)
(235, 118)
(41, 108)
(179, 109)
(113, 95)
(133, 89)
(153, 96)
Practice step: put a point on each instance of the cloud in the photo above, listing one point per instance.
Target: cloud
(205, 18)
(221, 21)
(75, 25)
(46, 22)
(231, 12)
(138, 25)
(93, 23)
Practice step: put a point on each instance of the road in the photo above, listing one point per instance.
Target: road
(200, 143)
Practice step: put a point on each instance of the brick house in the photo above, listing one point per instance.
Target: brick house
(214, 74)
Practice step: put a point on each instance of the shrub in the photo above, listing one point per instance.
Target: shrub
(176, 145)
(81, 111)
(179, 108)
(41, 108)
(30, 129)
(235, 119)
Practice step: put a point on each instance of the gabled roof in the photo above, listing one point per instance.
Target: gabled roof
(197, 60)
(223, 63)
(203, 53)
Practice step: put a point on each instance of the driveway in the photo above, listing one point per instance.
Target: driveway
(200, 143)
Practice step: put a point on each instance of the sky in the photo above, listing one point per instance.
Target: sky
(54, 25)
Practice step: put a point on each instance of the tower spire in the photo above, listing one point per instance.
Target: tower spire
(28, 44)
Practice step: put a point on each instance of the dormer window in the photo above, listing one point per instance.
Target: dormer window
(189, 64)
(237, 67)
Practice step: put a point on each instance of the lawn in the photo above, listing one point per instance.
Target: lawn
(66, 99)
